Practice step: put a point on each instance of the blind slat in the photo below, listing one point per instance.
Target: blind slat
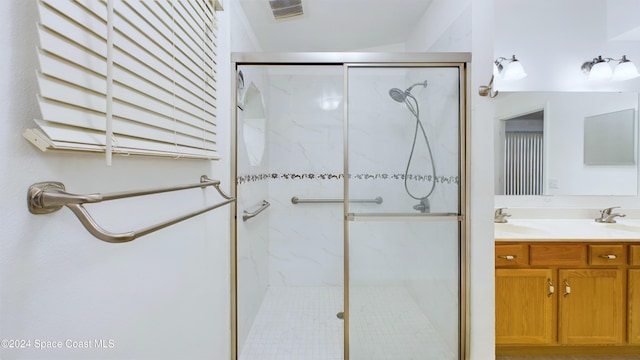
(81, 98)
(55, 46)
(53, 111)
(93, 30)
(156, 120)
(75, 117)
(161, 62)
(71, 73)
(72, 139)
(140, 73)
(145, 102)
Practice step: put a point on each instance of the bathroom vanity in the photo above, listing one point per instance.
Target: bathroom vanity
(567, 287)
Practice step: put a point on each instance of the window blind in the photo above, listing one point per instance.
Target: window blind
(127, 77)
(523, 167)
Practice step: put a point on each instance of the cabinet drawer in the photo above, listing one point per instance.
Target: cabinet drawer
(561, 255)
(606, 255)
(634, 255)
(509, 255)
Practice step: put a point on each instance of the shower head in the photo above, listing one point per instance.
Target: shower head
(400, 96)
(397, 95)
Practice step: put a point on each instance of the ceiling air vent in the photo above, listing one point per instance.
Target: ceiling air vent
(285, 8)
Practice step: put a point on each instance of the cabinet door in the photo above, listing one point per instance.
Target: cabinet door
(524, 306)
(591, 306)
(634, 306)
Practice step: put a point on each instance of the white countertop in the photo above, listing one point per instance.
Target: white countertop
(567, 230)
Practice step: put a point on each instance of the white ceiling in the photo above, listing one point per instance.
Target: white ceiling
(335, 25)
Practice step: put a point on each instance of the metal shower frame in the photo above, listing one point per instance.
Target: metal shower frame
(350, 60)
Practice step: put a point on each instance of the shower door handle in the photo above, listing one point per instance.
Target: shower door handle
(404, 217)
(296, 200)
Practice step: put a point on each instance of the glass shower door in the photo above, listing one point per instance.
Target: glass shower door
(403, 250)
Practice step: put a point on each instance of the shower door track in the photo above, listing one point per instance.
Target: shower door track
(364, 59)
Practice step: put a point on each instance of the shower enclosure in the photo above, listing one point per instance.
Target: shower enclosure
(349, 236)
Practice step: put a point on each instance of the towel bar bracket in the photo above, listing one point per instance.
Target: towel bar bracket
(48, 197)
(36, 197)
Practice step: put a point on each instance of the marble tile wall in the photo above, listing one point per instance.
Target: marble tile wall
(302, 245)
(305, 136)
(382, 130)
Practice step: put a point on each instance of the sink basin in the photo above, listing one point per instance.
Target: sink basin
(519, 229)
(632, 226)
(559, 229)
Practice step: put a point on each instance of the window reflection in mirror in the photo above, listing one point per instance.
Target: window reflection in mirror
(522, 155)
(563, 167)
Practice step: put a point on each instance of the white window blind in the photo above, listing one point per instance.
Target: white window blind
(129, 77)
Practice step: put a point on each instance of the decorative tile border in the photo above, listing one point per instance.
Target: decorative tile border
(243, 179)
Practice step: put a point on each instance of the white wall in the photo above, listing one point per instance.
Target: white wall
(481, 266)
(552, 54)
(622, 20)
(163, 296)
(444, 27)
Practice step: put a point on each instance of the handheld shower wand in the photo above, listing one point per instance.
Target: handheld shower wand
(403, 97)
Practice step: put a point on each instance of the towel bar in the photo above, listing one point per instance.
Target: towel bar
(47, 197)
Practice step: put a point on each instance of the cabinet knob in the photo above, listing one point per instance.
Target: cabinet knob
(507, 257)
(608, 256)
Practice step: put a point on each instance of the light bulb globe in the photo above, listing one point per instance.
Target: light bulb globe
(600, 71)
(624, 71)
(514, 71)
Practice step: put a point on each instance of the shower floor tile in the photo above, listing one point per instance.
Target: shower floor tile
(297, 323)
(387, 324)
(300, 323)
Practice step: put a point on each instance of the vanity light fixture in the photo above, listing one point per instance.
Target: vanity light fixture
(599, 69)
(513, 70)
(487, 90)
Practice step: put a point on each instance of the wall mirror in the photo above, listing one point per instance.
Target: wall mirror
(545, 143)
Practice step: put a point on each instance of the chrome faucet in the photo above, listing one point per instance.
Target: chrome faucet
(607, 217)
(500, 216)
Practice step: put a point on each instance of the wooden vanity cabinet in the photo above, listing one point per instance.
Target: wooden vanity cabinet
(526, 305)
(567, 295)
(591, 306)
(633, 291)
(634, 306)
(596, 292)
